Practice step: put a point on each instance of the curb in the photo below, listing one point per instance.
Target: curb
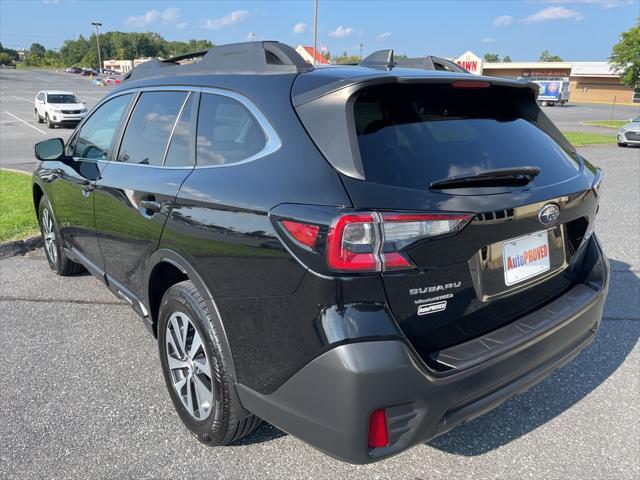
(20, 247)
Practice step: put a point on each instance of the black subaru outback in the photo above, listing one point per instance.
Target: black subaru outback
(364, 256)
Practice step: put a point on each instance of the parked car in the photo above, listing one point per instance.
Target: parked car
(629, 134)
(56, 107)
(112, 81)
(73, 70)
(363, 256)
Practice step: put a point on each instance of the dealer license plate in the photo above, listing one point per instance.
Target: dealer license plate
(525, 257)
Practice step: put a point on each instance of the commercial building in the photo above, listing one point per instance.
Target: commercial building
(120, 66)
(124, 66)
(588, 81)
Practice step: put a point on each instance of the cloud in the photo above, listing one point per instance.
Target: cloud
(383, 36)
(251, 36)
(50, 1)
(553, 13)
(152, 17)
(503, 21)
(605, 4)
(300, 27)
(234, 17)
(341, 32)
(488, 40)
(182, 25)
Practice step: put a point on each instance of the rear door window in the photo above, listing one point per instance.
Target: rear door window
(227, 132)
(179, 153)
(147, 133)
(96, 134)
(412, 135)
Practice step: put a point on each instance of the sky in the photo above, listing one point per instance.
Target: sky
(576, 30)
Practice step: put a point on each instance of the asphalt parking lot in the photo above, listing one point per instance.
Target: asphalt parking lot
(83, 394)
(18, 126)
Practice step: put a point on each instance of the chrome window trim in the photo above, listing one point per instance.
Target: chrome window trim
(272, 144)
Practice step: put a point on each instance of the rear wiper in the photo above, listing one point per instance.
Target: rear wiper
(500, 177)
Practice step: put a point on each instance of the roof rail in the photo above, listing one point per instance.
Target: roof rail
(385, 59)
(262, 58)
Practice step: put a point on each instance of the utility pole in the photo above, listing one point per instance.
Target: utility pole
(361, 47)
(315, 30)
(98, 24)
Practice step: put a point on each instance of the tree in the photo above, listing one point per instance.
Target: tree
(346, 59)
(547, 57)
(5, 59)
(506, 59)
(491, 57)
(37, 50)
(9, 51)
(625, 56)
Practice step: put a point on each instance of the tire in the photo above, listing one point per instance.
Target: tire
(38, 117)
(214, 421)
(622, 144)
(49, 123)
(58, 261)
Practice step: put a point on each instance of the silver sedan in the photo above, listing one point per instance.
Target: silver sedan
(629, 134)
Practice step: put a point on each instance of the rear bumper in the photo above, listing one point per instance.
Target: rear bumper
(328, 403)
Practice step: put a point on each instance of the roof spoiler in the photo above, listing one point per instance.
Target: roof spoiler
(268, 57)
(384, 59)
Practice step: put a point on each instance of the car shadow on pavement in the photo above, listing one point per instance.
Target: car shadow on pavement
(264, 433)
(616, 338)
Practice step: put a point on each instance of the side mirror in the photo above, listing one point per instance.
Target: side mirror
(51, 149)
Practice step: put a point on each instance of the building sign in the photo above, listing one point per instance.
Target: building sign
(545, 73)
(470, 62)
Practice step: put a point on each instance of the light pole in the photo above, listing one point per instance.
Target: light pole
(315, 30)
(98, 24)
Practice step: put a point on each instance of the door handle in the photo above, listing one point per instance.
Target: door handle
(149, 207)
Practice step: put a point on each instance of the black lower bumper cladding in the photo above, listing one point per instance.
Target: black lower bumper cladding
(328, 403)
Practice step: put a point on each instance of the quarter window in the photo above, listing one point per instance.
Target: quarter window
(95, 136)
(227, 132)
(150, 126)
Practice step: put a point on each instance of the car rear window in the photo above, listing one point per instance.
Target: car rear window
(412, 135)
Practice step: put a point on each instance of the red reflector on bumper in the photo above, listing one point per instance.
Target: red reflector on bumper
(378, 433)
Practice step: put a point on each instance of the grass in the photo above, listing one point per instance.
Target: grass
(23, 66)
(17, 217)
(582, 139)
(607, 123)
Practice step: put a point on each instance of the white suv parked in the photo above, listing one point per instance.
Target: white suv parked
(56, 107)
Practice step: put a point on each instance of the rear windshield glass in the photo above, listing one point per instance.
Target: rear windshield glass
(61, 98)
(412, 135)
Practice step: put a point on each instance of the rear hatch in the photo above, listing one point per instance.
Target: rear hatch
(512, 256)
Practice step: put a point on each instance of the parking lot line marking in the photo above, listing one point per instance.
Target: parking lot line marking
(27, 124)
(23, 99)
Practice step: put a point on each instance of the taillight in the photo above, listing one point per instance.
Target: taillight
(353, 243)
(370, 242)
(303, 233)
(378, 431)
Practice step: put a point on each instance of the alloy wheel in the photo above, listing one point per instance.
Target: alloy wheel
(189, 366)
(49, 234)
